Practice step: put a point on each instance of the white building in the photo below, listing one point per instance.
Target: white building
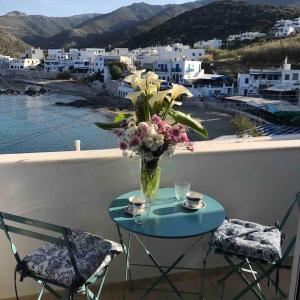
(212, 85)
(178, 71)
(250, 84)
(58, 54)
(284, 31)
(284, 28)
(34, 53)
(123, 89)
(23, 63)
(120, 51)
(4, 61)
(246, 36)
(148, 56)
(215, 44)
(57, 65)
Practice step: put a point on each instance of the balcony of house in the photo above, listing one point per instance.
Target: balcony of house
(161, 70)
(176, 70)
(254, 180)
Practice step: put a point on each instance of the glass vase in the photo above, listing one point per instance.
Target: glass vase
(150, 178)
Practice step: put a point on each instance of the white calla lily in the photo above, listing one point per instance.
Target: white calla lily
(179, 90)
(133, 96)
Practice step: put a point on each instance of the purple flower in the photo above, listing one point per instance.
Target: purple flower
(119, 131)
(123, 146)
(135, 141)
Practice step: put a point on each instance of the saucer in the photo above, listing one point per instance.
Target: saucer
(186, 205)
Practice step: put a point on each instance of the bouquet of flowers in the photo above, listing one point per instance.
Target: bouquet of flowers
(154, 128)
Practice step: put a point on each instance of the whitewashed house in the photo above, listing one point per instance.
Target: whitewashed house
(120, 51)
(284, 31)
(58, 54)
(34, 53)
(285, 28)
(178, 71)
(211, 85)
(249, 84)
(23, 63)
(246, 36)
(4, 61)
(215, 44)
(123, 89)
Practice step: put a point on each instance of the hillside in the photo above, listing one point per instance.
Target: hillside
(10, 45)
(258, 55)
(88, 34)
(120, 25)
(35, 28)
(218, 19)
(283, 3)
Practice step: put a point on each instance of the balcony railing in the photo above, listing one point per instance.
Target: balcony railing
(161, 70)
(75, 189)
(176, 70)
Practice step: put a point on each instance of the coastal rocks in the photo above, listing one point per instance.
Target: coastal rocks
(9, 92)
(101, 101)
(35, 91)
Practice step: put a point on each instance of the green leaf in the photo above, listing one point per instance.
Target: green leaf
(184, 119)
(108, 126)
(119, 118)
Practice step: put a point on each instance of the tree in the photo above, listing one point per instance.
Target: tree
(115, 72)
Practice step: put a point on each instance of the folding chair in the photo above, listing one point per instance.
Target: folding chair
(71, 259)
(255, 246)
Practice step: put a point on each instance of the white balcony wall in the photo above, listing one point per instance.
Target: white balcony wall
(253, 180)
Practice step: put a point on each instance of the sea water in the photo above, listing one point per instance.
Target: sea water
(36, 124)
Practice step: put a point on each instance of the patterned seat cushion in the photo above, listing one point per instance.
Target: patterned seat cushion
(92, 254)
(249, 240)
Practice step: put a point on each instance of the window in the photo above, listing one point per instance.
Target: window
(246, 80)
(295, 76)
(287, 77)
(194, 54)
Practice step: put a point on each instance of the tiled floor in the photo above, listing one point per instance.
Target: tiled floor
(191, 282)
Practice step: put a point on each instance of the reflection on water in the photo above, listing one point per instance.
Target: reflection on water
(35, 124)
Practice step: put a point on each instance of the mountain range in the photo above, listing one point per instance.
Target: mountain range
(218, 19)
(145, 24)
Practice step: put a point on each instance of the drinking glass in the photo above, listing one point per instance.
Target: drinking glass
(141, 212)
(181, 189)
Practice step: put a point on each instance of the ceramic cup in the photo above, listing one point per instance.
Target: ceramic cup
(194, 199)
(132, 201)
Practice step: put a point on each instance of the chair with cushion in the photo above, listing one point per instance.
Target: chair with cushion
(254, 245)
(71, 259)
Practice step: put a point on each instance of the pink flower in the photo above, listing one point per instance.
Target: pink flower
(123, 146)
(135, 141)
(156, 119)
(176, 133)
(143, 129)
(185, 139)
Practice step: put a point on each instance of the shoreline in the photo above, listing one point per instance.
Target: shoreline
(93, 97)
(216, 121)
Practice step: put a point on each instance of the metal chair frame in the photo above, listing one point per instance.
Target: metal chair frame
(263, 269)
(79, 284)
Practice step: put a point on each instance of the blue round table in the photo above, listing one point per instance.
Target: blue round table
(168, 219)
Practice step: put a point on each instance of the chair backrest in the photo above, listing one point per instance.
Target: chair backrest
(283, 223)
(289, 211)
(17, 229)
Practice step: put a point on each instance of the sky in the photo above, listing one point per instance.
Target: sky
(70, 7)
